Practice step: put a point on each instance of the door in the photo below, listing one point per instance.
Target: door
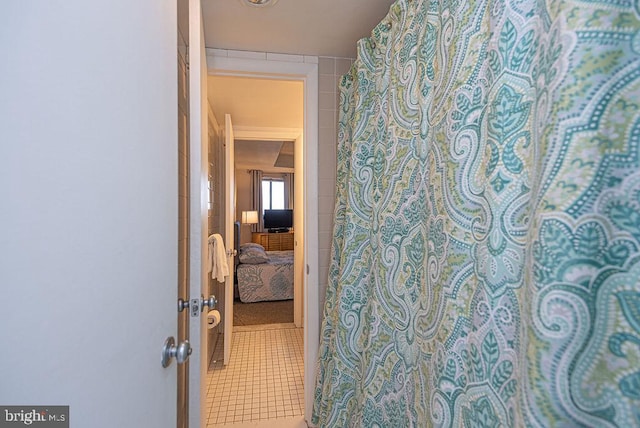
(183, 207)
(198, 212)
(88, 162)
(230, 218)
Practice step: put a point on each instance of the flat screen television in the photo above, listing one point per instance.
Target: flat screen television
(278, 220)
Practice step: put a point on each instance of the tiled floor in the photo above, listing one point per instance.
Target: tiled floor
(263, 380)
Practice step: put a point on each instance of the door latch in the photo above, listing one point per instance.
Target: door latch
(194, 304)
(197, 305)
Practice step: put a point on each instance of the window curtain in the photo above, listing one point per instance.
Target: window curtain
(288, 190)
(485, 265)
(256, 198)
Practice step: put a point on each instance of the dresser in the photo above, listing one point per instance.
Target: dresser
(273, 241)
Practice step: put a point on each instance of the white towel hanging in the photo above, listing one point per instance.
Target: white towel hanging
(217, 258)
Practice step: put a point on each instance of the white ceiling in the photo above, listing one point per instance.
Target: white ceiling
(304, 27)
(319, 28)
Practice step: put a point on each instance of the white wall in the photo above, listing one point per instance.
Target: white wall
(216, 220)
(330, 71)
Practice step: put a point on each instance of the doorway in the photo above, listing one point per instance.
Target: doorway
(263, 379)
(306, 73)
(265, 183)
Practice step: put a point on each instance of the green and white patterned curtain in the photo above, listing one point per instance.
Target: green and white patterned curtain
(486, 255)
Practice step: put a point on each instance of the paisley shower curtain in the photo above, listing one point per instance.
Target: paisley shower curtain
(486, 254)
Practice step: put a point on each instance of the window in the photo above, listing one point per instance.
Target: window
(272, 194)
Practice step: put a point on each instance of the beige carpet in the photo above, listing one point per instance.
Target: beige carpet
(262, 312)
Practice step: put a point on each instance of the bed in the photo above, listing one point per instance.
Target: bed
(264, 275)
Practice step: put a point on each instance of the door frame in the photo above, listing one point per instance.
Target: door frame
(305, 69)
(198, 213)
(229, 233)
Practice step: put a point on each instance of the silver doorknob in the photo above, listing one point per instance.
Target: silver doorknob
(170, 350)
(210, 302)
(183, 351)
(182, 305)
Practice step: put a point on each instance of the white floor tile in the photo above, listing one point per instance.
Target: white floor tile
(262, 384)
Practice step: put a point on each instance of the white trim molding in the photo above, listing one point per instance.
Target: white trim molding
(266, 133)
